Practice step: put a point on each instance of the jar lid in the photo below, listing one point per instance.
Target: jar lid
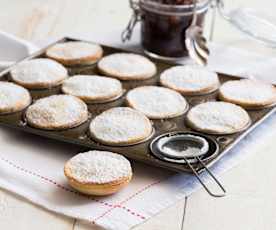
(177, 10)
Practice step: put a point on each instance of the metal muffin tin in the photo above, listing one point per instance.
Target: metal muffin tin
(140, 152)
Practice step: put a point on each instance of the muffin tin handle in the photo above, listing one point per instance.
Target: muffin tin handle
(223, 191)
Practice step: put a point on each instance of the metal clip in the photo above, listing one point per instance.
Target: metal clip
(221, 9)
(136, 17)
(213, 6)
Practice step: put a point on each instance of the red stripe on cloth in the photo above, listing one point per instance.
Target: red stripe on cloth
(127, 199)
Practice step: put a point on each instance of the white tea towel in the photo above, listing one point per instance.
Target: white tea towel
(32, 166)
(13, 49)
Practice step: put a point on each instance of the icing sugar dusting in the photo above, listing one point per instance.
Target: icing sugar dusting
(189, 152)
(99, 167)
(13, 96)
(73, 50)
(249, 91)
(189, 78)
(121, 125)
(157, 102)
(40, 70)
(57, 111)
(128, 65)
(92, 86)
(219, 117)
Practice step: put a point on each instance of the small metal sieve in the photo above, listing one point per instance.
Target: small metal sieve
(189, 149)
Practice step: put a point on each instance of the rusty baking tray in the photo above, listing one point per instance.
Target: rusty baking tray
(140, 152)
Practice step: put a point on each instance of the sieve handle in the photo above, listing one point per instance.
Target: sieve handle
(223, 191)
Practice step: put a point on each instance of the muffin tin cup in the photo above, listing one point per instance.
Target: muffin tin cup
(138, 151)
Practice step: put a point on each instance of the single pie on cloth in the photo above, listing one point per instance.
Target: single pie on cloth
(157, 102)
(127, 66)
(98, 172)
(57, 112)
(190, 80)
(92, 88)
(120, 126)
(248, 93)
(75, 53)
(39, 73)
(218, 118)
(13, 98)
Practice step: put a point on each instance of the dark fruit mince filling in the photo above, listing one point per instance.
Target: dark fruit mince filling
(164, 34)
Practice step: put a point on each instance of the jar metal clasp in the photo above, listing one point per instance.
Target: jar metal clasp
(136, 17)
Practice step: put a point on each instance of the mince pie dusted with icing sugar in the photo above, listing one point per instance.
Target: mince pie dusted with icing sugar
(98, 172)
(57, 112)
(92, 88)
(75, 53)
(127, 66)
(190, 80)
(13, 98)
(218, 118)
(120, 126)
(39, 73)
(251, 94)
(157, 102)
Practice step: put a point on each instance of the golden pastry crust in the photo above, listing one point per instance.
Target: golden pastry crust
(46, 113)
(97, 189)
(134, 127)
(186, 92)
(190, 80)
(98, 172)
(129, 142)
(39, 85)
(127, 66)
(39, 73)
(212, 132)
(157, 102)
(13, 98)
(218, 118)
(69, 125)
(93, 88)
(249, 94)
(249, 105)
(70, 54)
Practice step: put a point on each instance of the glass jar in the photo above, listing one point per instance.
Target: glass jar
(163, 26)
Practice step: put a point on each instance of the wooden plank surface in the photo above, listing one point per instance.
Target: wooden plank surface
(251, 199)
(250, 203)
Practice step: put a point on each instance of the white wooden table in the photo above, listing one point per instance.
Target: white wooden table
(251, 200)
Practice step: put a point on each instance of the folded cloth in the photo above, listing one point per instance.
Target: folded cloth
(13, 49)
(32, 166)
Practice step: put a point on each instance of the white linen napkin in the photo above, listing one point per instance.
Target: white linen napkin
(32, 166)
(13, 49)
